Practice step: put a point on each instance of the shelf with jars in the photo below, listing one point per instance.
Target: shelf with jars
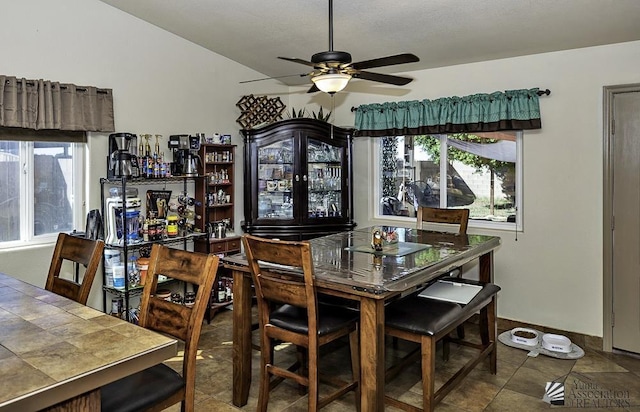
(216, 192)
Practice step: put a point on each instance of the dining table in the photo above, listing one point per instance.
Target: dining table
(56, 354)
(347, 265)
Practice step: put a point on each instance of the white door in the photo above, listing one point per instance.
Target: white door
(626, 226)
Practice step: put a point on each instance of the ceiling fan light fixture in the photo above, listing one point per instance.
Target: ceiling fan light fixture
(331, 82)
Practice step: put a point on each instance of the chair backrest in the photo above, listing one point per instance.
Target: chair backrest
(179, 321)
(450, 216)
(81, 251)
(297, 290)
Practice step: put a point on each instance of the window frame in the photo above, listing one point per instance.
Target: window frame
(376, 215)
(26, 152)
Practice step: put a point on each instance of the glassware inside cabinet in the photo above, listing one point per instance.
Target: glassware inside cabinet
(324, 173)
(275, 180)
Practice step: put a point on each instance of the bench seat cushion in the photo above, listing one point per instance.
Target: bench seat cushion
(430, 316)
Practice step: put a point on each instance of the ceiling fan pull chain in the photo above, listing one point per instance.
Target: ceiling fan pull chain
(333, 111)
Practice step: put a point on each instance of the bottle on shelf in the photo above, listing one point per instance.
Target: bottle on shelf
(157, 147)
(176, 298)
(189, 299)
(190, 214)
(227, 290)
(145, 230)
(148, 170)
(116, 307)
(163, 166)
(143, 266)
(150, 167)
(221, 292)
(142, 158)
(185, 200)
(156, 168)
(132, 272)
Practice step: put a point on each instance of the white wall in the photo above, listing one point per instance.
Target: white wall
(552, 275)
(161, 84)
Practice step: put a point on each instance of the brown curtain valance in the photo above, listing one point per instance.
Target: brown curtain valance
(43, 104)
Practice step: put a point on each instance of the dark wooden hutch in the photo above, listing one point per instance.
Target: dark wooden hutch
(298, 179)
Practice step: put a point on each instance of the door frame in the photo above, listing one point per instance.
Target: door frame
(609, 93)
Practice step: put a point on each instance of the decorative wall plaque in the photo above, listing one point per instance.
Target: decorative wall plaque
(259, 110)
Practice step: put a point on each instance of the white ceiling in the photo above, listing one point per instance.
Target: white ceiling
(439, 32)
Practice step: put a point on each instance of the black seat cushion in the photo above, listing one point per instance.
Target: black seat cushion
(430, 316)
(330, 318)
(421, 316)
(141, 390)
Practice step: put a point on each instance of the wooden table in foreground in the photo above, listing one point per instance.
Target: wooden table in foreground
(55, 354)
(345, 266)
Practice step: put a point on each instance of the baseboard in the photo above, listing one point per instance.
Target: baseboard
(584, 341)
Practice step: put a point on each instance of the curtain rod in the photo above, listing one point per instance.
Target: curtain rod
(63, 87)
(546, 92)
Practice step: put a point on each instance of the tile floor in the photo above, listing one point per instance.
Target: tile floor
(599, 381)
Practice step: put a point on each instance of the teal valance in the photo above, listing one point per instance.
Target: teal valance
(509, 110)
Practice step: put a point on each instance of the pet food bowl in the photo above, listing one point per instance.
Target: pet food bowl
(556, 343)
(524, 336)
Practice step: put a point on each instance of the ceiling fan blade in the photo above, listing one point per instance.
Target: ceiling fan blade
(382, 78)
(313, 89)
(296, 60)
(275, 77)
(386, 61)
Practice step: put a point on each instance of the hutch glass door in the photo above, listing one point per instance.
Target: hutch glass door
(275, 181)
(324, 183)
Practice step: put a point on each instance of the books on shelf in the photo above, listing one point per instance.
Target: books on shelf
(451, 291)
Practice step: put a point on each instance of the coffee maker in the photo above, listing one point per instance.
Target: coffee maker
(185, 154)
(122, 160)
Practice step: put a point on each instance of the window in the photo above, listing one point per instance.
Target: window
(40, 190)
(481, 172)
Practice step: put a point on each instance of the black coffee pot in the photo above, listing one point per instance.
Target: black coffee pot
(122, 161)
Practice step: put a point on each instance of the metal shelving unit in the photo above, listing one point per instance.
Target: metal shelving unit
(127, 249)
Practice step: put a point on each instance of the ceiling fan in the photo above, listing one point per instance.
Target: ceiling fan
(333, 69)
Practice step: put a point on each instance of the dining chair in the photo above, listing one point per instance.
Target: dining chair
(81, 252)
(450, 217)
(160, 386)
(288, 311)
(426, 321)
(458, 217)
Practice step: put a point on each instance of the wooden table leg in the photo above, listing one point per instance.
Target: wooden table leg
(372, 355)
(486, 267)
(241, 337)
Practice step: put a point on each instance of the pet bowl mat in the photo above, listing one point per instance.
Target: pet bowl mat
(576, 351)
